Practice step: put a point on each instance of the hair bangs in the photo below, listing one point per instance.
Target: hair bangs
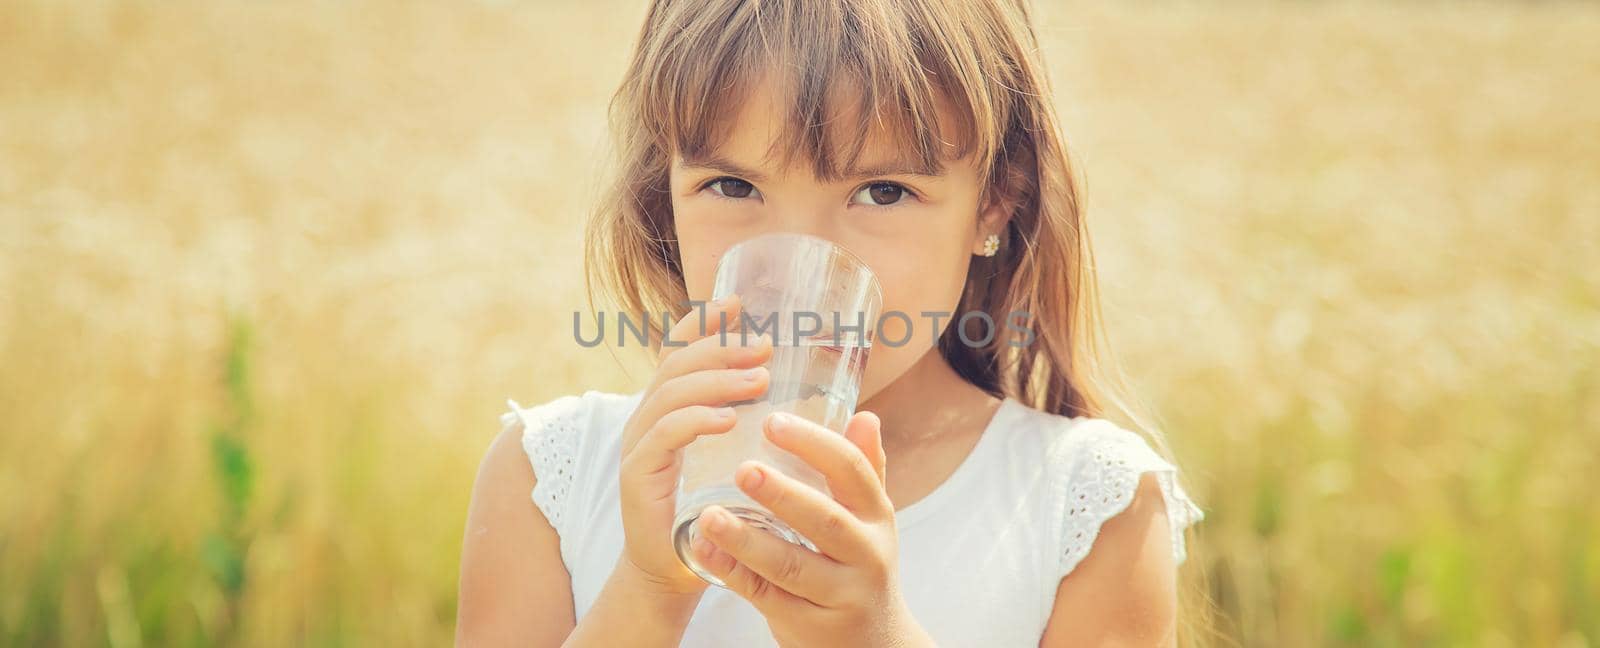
(849, 73)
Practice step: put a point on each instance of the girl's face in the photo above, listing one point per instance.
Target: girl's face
(917, 232)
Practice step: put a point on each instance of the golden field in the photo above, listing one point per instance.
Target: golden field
(269, 270)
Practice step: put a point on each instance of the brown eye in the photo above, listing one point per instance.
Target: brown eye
(880, 193)
(732, 187)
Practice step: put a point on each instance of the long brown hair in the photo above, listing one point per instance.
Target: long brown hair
(694, 59)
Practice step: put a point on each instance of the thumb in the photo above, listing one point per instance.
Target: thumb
(865, 431)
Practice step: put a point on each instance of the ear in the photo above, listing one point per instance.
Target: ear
(993, 215)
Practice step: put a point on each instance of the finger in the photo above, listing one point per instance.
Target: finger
(658, 446)
(715, 352)
(835, 531)
(866, 432)
(698, 323)
(767, 597)
(852, 478)
(713, 387)
(649, 475)
(793, 568)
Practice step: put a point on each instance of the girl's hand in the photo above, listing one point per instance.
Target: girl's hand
(694, 381)
(848, 594)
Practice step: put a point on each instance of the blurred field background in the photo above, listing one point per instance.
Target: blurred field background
(269, 270)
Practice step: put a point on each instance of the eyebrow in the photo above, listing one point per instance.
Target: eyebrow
(721, 164)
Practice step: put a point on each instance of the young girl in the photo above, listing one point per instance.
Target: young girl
(977, 500)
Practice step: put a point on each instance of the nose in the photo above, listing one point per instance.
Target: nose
(816, 220)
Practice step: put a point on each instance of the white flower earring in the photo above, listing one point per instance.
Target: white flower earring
(991, 245)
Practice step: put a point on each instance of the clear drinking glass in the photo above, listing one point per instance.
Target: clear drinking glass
(819, 305)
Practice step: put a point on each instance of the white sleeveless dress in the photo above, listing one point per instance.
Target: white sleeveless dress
(980, 557)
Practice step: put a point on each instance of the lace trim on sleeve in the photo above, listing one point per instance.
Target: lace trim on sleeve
(550, 438)
(1104, 464)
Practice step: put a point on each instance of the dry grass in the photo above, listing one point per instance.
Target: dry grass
(267, 271)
